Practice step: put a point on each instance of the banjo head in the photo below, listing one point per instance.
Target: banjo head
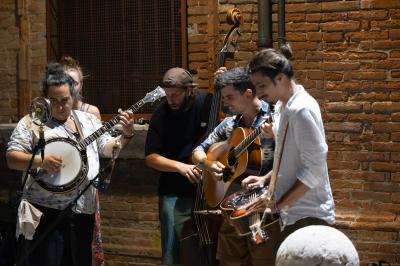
(73, 170)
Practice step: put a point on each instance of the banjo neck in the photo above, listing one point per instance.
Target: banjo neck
(107, 126)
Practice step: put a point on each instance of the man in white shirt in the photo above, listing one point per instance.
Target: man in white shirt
(302, 193)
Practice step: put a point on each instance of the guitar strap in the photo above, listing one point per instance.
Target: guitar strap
(77, 125)
(275, 168)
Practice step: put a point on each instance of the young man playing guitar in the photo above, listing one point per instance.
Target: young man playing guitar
(302, 192)
(238, 95)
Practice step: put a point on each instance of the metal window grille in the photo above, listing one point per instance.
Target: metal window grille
(124, 46)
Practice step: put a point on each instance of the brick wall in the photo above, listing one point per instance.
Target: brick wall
(346, 54)
(22, 53)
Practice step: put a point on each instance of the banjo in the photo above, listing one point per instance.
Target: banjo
(75, 163)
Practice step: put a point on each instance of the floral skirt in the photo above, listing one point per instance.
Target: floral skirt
(97, 248)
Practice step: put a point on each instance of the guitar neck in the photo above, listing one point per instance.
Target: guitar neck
(108, 125)
(246, 142)
(237, 151)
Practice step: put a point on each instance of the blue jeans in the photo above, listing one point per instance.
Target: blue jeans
(174, 211)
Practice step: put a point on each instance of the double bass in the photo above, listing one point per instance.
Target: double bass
(199, 236)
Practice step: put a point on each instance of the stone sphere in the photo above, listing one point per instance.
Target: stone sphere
(317, 245)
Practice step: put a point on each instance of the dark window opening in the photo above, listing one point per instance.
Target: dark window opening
(124, 47)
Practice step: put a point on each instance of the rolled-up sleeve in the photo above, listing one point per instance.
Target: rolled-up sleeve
(218, 134)
(104, 138)
(310, 140)
(21, 138)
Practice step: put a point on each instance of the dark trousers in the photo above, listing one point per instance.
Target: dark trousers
(68, 244)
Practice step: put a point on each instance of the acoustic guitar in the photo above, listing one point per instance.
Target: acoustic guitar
(240, 154)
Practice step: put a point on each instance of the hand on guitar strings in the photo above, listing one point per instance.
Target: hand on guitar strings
(215, 168)
(191, 172)
(51, 164)
(261, 204)
(126, 121)
(252, 181)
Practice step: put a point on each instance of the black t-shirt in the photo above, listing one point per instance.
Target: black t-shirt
(173, 134)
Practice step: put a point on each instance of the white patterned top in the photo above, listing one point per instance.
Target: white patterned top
(24, 138)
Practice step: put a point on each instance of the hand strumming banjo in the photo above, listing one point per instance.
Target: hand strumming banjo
(75, 167)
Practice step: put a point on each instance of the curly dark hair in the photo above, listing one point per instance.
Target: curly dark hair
(238, 78)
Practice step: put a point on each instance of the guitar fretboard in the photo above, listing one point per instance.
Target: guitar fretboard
(107, 126)
(246, 142)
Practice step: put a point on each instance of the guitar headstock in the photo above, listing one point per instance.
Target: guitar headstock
(154, 95)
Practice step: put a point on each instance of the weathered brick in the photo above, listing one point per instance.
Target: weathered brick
(367, 55)
(371, 195)
(370, 96)
(365, 156)
(376, 4)
(365, 75)
(197, 10)
(295, 17)
(346, 184)
(387, 64)
(386, 44)
(302, 27)
(367, 35)
(334, 16)
(343, 165)
(395, 136)
(333, 76)
(340, 46)
(357, 175)
(340, 66)
(392, 23)
(333, 36)
(340, 26)
(394, 34)
(385, 167)
(348, 107)
(395, 74)
(381, 186)
(340, 6)
(373, 14)
(386, 107)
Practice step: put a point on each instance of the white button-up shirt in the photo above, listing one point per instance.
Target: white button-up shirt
(303, 158)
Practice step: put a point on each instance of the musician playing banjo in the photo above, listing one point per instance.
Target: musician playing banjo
(302, 193)
(238, 94)
(70, 242)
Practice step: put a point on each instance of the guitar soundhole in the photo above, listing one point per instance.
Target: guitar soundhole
(227, 174)
(231, 160)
